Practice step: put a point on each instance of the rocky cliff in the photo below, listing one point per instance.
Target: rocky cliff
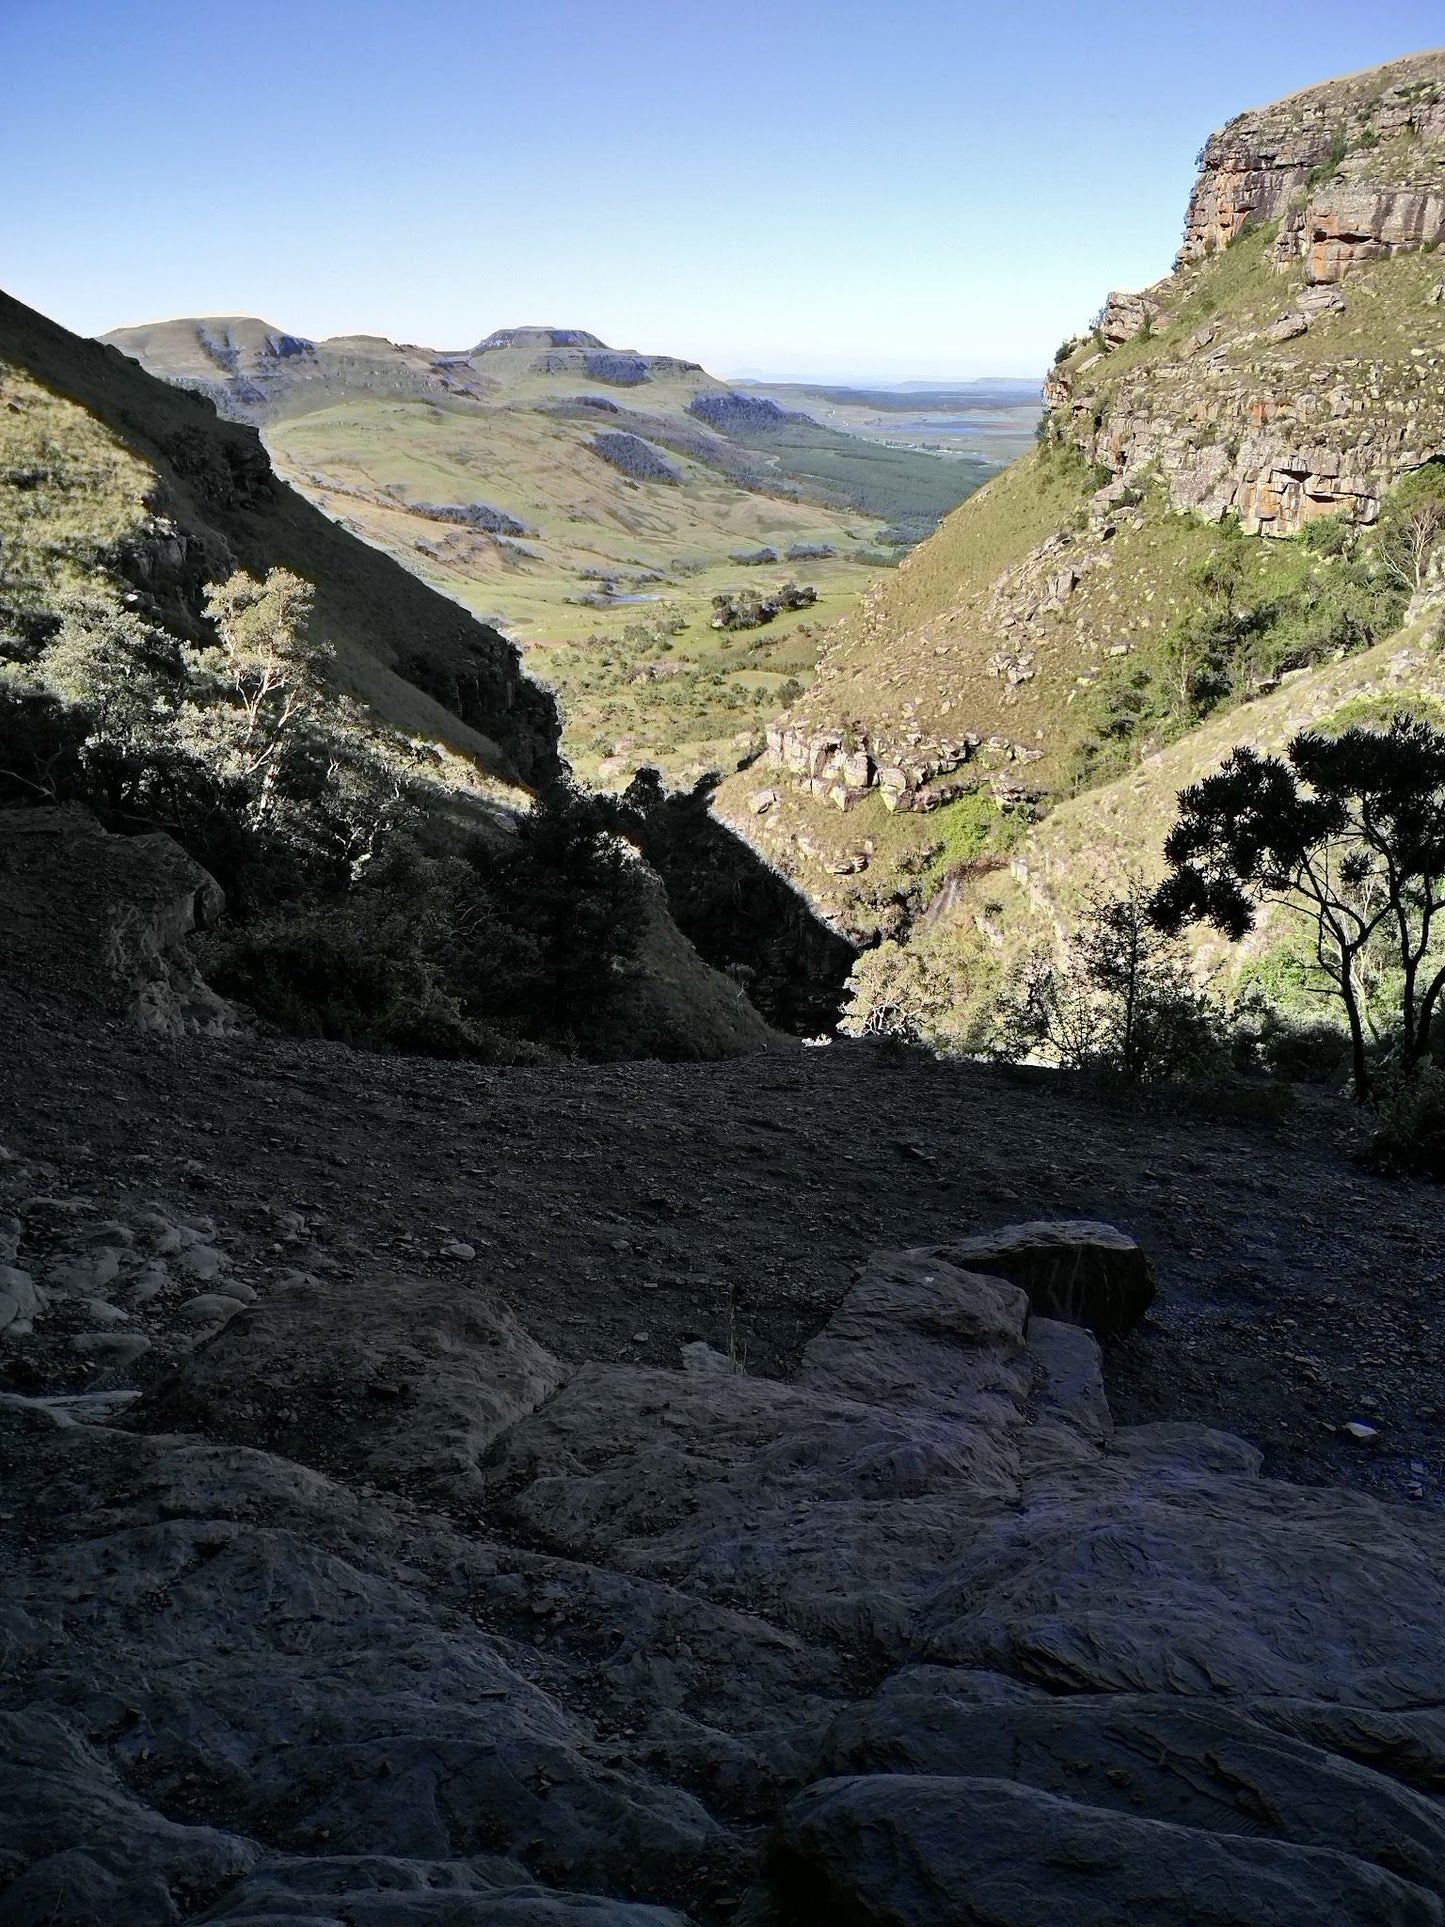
(1301, 395)
(1351, 169)
(1291, 367)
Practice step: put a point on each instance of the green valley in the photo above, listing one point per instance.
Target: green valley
(592, 503)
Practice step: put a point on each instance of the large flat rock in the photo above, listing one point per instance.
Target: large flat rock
(376, 1613)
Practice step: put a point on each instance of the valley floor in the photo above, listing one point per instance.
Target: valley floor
(626, 1210)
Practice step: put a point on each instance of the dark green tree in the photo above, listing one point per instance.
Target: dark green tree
(1123, 1003)
(1347, 830)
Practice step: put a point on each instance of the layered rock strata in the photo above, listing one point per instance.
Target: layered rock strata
(1265, 162)
(1353, 173)
(373, 1610)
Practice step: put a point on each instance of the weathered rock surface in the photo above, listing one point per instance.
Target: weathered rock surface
(1082, 1273)
(938, 1852)
(1353, 172)
(408, 1625)
(104, 919)
(414, 1381)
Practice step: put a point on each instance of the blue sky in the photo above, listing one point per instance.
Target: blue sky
(830, 187)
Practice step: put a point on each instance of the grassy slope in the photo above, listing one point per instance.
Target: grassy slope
(1389, 334)
(365, 427)
(542, 469)
(153, 449)
(1100, 840)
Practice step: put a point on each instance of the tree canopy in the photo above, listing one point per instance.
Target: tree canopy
(1347, 829)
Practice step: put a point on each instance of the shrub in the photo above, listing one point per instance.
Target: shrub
(1409, 1136)
(1122, 1004)
(1263, 1037)
(546, 924)
(364, 966)
(1326, 535)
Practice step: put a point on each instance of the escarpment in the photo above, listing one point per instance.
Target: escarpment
(1047, 639)
(1347, 167)
(1285, 384)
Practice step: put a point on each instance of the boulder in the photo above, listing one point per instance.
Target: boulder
(103, 921)
(20, 1300)
(1074, 1270)
(404, 1377)
(381, 1890)
(1206, 1764)
(911, 1851)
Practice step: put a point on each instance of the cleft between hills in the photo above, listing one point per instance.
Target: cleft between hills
(190, 650)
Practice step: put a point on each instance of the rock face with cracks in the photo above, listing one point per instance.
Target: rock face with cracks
(368, 1612)
(105, 918)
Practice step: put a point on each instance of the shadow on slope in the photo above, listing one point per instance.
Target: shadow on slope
(422, 663)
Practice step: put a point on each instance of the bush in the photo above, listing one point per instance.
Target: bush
(546, 925)
(511, 943)
(752, 609)
(360, 967)
(1409, 1137)
(1123, 1004)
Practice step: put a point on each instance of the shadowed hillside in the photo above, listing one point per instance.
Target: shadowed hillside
(186, 644)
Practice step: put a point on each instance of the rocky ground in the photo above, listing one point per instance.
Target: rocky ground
(434, 1496)
(623, 1211)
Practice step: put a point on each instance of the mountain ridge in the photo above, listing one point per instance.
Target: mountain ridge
(1062, 624)
(586, 500)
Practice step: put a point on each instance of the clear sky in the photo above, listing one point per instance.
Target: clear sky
(891, 189)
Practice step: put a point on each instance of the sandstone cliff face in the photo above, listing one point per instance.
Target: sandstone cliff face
(1231, 407)
(1257, 168)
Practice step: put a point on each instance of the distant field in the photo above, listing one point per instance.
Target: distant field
(629, 687)
(985, 421)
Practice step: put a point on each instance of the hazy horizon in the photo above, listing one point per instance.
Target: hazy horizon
(763, 188)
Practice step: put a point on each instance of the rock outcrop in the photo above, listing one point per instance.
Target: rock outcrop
(370, 1607)
(1318, 161)
(104, 919)
(1348, 173)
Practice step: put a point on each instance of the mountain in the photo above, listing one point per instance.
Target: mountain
(1197, 553)
(535, 1492)
(187, 645)
(593, 502)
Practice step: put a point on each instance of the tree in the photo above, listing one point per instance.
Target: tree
(272, 666)
(1348, 830)
(1124, 1002)
(1412, 527)
(550, 921)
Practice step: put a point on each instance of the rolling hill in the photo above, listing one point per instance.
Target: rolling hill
(592, 502)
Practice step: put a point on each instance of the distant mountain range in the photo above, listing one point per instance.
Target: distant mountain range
(567, 490)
